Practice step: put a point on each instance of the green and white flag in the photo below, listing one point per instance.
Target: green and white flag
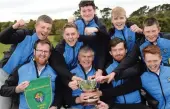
(39, 93)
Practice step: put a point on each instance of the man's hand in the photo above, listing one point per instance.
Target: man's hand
(77, 78)
(111, 77)
(19, 24)
(21, 87)
(53, 107)
(73, 84)
(107, 78)
(90, 30)
(71, 19)
(97, 74)
(82, 98)
(85, 97)
(102, 105)
(136, 29)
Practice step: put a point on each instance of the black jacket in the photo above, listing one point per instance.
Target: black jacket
(12, 36)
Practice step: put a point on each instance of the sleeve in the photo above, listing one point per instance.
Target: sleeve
(129, 60)
(135, 70)
(102, 47)
(13, 36)
(8, 89)
(57, 62)
(58, 93)
(129, 86)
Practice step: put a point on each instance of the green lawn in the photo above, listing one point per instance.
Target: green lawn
(6, 47)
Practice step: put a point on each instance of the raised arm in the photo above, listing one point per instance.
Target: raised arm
(14, 35)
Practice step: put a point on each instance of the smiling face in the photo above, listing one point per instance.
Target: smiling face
(70, 35)
(42, 53)
(43, 29)
(151, 32)
(153, 61)
(119, 22)
(86, 59)
(118, 52)
(87, 13)
(118, 15)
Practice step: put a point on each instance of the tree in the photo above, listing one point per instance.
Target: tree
(77, 14)
(31, 24)
(106, 16)
(105, 12)
(141, 11)
(5, 25)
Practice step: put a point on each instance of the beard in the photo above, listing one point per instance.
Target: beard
(41, 61)
(119, 58)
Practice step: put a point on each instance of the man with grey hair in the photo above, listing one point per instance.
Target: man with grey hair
(83, 70)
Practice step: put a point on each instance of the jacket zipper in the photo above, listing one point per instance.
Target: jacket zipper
(85, 75)
(72, 62)
(162, 90)
(123, 35)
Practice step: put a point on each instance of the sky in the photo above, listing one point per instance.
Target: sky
(11, 10)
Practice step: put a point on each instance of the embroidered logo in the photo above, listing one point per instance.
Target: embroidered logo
(129, 38)
(39, 97)
(168, 79)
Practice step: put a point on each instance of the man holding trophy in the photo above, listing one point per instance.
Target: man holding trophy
(81, 96)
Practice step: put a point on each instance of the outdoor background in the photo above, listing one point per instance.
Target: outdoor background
(161, 12)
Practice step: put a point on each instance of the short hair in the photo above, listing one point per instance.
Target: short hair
(150, 21)
(85, 49)
(118, 11)
(152, 49)
(87, 3)
(45, 19)
(70, 25)
(46, 41)
(115, 41)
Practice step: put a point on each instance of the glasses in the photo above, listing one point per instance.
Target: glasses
(42, 51)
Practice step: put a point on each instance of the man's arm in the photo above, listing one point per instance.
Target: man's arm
(58, 93)
(129, 86)
(58, 63)
(14, 35)
(8, 89)
(135, 70)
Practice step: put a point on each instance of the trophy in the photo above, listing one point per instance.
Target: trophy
(88, 86)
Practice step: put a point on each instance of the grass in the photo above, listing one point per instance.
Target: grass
(6, 47)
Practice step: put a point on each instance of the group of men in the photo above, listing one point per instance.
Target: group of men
(126, 61)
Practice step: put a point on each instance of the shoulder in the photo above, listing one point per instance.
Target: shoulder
(49, 68)
(60, 47)
(165, 35)
(24, 66)
(78, 21)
